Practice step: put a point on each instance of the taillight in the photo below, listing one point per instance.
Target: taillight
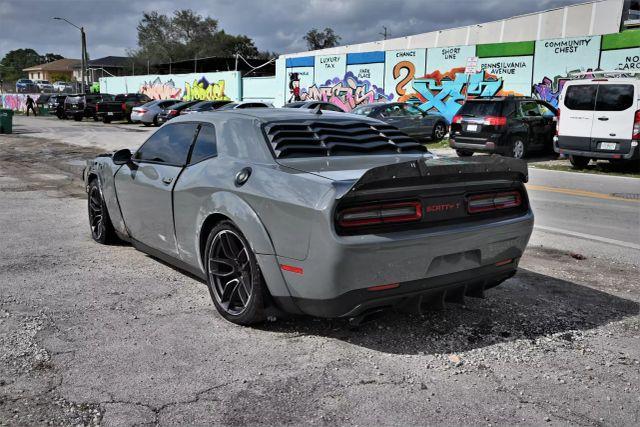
(141, 110)
(495, 121)
(636, 126)
(97, 107)
(493, 201)
(380, 214)
(457, 119)
(124, 107)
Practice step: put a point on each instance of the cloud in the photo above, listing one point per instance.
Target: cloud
(275, 25)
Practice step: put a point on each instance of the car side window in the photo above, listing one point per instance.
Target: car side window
(581, 97)
(413, 111)
(169, 145)
(529, 109)
(205, 146)
(393, 111)
(331, 107)
(545, 110)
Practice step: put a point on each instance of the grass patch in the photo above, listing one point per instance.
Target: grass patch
(439, 144)
(600, 168)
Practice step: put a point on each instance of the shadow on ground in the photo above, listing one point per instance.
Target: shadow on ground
(528, 306)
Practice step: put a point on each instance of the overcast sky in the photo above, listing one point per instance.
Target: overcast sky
(275, 25)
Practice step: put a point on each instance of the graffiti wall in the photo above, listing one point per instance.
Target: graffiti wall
(204, 86)
(434, 78)
(16, 101)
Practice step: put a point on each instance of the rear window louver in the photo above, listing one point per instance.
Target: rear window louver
(316, 138)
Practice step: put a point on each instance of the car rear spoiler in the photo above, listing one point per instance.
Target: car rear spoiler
(437, 171)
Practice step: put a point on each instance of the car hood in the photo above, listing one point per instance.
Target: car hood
(348, 168)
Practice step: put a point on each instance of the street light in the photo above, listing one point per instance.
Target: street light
(84, 49)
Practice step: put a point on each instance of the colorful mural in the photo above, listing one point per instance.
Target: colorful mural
(16, 101)
(347, 92)
(156, 89)
(193, 86)
(445, 93)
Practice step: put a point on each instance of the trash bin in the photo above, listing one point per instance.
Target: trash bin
(6, 120)
(43, 111)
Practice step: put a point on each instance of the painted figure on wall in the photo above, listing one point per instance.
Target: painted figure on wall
(294, 87)
(348, 92)
(203, 90)
(156, 89)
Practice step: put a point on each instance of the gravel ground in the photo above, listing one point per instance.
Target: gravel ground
(94, 334)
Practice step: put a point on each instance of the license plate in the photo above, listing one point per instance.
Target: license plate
(608, 145)
(472, 128)
(109, 113)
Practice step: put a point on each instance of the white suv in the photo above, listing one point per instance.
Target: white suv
(599, 118)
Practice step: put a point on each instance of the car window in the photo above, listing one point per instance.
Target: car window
(581, 97)
(168, 145)
(529, 109)
(545, 110)
(480, 108)
(394, 111)
(614, 97)
(362, 111)
(205, 145)
(413, 111)
(332, 107)
(509, 109)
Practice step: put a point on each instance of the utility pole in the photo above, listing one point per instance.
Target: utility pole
(147, 66)
(195, 64)
(384, 33)
(83, 54)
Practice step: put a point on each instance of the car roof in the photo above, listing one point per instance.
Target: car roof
(272, 114)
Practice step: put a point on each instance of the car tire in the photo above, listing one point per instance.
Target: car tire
(244, 302)
(96, 118)
(517, 148)
(102, 230)
(129, 118)
(579, 162)
(106, 120)
(145, 124)
(155, 121)
(77, 118)
(464, 153)
(439, 131)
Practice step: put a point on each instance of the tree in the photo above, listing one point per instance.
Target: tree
(322, 39)
(50, 57)
(15, 61)
(186, 35)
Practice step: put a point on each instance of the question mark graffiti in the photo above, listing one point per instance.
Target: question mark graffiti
(397, 70)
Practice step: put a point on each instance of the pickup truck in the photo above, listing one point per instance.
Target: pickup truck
(121, 106)
(78, 105)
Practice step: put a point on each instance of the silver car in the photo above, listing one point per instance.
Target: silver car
(327, 214)
(147, 114)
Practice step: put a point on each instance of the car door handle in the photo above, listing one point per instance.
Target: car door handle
(167, 180)
(604, 119)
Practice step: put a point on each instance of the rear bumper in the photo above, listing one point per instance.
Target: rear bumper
(113, 115)
(338, 270)
(484, 145)
(632, 154)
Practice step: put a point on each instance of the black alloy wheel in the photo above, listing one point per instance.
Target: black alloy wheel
(101, 228)
(233, 276)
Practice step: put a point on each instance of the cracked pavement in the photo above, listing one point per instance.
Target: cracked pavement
(93, 334)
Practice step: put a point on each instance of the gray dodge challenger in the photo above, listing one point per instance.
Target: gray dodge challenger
(311, 212)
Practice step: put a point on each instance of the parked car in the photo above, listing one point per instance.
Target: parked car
(61, 86)
(331, 215)
(42, 100)
(408, 118)
(44, 85)
(26, 86)
(56, 105)
(174, 111)
(511, 126)
(147, 114)
(77, 106)
(120, 107)
(204, 106)
(245, 104)
(312, 105)
(599, 119)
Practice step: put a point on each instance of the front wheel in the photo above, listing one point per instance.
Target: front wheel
(464, 153)
(579, 162)
(77, 118)
(106, 119)
(439, 131)
(233, 276)
(101, 227)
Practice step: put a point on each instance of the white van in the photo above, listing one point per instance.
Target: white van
(599, 118)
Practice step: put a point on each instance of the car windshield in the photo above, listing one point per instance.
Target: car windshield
(321, 138)
(74, 99)
(45, 82)
(476, 108)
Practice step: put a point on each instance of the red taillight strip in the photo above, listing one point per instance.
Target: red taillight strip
(380, 214)
(491, 201)
(383, 287)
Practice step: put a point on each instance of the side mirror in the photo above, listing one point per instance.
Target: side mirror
(121, 157)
